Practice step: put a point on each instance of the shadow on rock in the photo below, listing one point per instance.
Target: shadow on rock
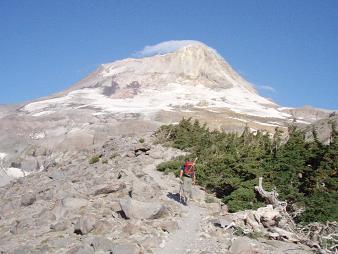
(176, 197)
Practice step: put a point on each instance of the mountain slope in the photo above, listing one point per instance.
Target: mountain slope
(137, 95)
(194, 76)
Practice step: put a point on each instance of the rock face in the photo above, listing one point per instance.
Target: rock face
(134, 209)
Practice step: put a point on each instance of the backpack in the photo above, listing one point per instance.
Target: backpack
(189, 168)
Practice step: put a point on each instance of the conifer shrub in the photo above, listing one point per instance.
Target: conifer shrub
(229, 165)
(95, 159)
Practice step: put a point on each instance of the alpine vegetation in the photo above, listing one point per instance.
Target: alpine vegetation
(303, 172)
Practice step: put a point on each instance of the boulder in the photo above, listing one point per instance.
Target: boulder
(74, 203)
(267, 216)
(85, 249)
(59, 226)
(169, 226)
(45, 217)
(99, 243)
(84, 224)
(126, 248)
(214, 208)
(224, 209)
(155, 153)
(57, 175)
(102, 227)
(29, 164)
(28, 199)
(64, 206)
(197, 194)
(134, 209)
(115, 206)
(143, 191)
(224, 221)
(109, 188)
(130, 229)
(22, 225)
(241, 245)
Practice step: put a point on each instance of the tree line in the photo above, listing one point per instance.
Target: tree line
(303, 172)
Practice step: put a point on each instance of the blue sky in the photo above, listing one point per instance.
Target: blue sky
(288, 49)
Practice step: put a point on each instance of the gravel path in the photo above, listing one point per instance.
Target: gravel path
(187, 236)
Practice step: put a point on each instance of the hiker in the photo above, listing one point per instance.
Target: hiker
(188, 177)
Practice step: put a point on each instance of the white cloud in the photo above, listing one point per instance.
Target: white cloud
(267, 88)
(164, 47)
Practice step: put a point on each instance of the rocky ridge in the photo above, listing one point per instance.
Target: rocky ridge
(112, 200)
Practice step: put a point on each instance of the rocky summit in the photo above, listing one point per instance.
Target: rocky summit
(77, 168)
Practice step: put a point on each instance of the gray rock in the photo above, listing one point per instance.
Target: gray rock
(126, 248)
(224, 221)
(214, 208)
(84, 249)
(169, 226)
(84, 224)
(156, 153)
(23, 250)
(57, 175)
(19, 226)
(241, 245)
(28, 199)
(64, 206)
(109, 188)
(45, 217)
(59, 226)
(197, 194)
(144, 191)
(115, 206)
(130, 229)
(100, 243)
(142, 210)
(30, 164)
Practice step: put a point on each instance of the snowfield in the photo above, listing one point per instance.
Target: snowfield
(167, 98)
(192, 77)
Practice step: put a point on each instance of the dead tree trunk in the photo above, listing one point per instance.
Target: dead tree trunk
(270, 197)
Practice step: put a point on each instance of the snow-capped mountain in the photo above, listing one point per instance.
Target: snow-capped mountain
(137, 95)
(192, 77)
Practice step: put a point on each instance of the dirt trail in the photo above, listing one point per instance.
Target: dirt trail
(187, 236)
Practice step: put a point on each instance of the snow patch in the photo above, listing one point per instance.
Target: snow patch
(37, 135)
(2, 156)
(166, 97)
(44, 113)
(16, 172)
(266, 124)
(238, 119)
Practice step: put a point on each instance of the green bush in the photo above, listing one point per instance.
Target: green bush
(170, 166)
(229, 165)
(141, 140)
(94, 159)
